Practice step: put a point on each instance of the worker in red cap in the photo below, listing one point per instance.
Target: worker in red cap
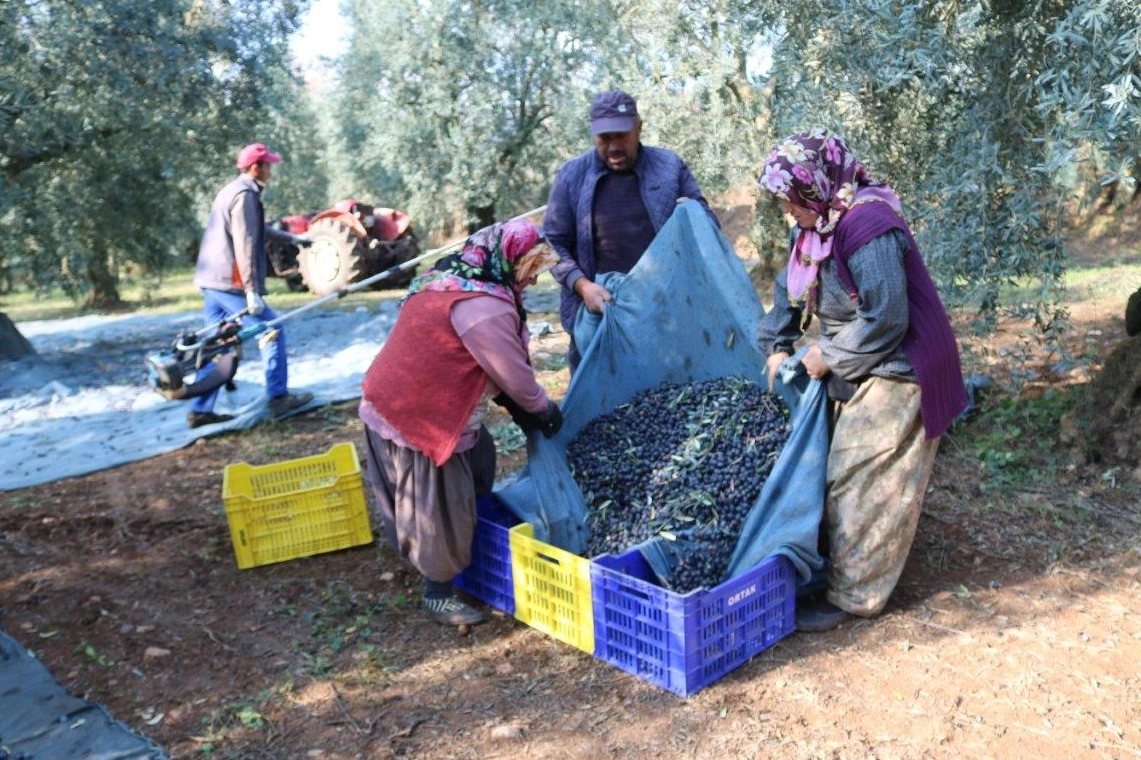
(231, 272)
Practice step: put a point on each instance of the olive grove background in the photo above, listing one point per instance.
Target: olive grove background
(997, 121)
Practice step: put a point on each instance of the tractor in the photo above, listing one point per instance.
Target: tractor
(350, 242)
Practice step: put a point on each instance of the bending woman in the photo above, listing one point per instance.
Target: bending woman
(460, 339)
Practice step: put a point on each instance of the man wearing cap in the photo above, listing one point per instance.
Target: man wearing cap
(607, 204)
(231, 275)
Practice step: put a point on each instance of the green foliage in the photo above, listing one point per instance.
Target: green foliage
(694, 68)
(94, 655)
(1015, 441)
(508, 438)
(115, 115)
(457, 108)
(977, 113)
(994, 120)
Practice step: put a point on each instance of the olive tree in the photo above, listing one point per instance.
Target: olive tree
(115, 117)
(697, 68)
(988, 116)
(452, 107)
(981, 114)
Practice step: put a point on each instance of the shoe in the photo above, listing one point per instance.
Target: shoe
(817, 617)
(283, 405)
(449, 610)
(198, 419)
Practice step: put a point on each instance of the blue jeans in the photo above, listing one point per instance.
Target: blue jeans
(220, 304)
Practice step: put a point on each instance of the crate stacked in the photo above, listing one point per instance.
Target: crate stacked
(613, 608)
(490, 577)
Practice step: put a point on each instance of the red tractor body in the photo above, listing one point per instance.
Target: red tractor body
(351, 242)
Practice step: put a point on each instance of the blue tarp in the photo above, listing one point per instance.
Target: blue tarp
(687, 312)
(41, 720)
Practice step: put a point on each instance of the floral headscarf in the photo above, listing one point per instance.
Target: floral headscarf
(486, 263)
(818, 171)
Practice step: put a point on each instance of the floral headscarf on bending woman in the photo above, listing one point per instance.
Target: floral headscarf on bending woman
(490, 262)
(817, 170)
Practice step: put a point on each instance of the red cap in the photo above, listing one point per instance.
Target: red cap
(256, 153)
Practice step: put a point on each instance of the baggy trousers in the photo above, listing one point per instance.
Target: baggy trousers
(878, 467)
(428, 511)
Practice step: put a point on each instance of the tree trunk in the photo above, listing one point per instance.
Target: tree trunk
(104, 284)
(13, 345)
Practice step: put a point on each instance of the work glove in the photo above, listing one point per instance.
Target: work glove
(302, 241)
(551, 421)
(547, 422)
(255, 304)
(527, 421)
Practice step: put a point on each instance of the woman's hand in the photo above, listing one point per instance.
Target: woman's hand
(813, 362)
(773, 365)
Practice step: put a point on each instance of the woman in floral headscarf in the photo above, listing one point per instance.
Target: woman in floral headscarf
(886, 352)
(460, 339)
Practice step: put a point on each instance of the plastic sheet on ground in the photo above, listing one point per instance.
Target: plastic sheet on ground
(687, 312)
(84, 404)
(41, 720)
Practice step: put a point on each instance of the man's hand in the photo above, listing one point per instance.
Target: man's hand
(593, 295)
(254, 303)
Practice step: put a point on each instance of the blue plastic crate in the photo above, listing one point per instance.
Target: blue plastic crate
(680, 642)
(489, 576)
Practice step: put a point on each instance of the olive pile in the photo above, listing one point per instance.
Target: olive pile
(681, 461)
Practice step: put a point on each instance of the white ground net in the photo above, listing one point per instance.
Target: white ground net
(85, 403)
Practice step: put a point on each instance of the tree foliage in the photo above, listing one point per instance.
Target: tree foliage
(693, 67)
(462, 107)
(988, 117)
(980, 114)
(994, 119)
(114, 117)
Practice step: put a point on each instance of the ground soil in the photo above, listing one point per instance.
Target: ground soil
(1015, 631)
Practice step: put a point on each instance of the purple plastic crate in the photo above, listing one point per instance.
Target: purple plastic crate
(680, 642)
(489, 577)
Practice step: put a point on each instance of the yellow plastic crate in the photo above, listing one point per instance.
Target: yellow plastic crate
(552, 589)
(296, 508)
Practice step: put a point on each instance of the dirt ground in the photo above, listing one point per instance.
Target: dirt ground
(1015, 631)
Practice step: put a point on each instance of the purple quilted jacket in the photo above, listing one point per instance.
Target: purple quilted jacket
(663, 178)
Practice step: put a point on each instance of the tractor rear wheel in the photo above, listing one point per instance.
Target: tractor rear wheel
(335, 260)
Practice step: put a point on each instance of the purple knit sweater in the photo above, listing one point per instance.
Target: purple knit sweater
(930, 342)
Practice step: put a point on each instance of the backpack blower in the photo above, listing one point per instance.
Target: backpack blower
(177, 372)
